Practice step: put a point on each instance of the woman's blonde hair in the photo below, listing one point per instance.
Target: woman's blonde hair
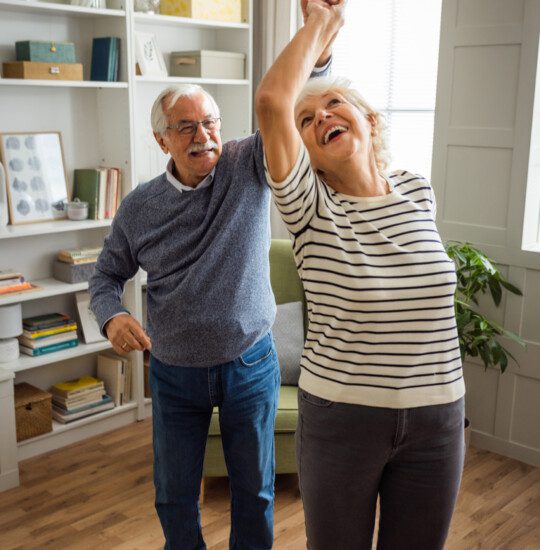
(322, 85)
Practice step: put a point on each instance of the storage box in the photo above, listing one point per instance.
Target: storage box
(48, 52)
(73, 273)
(208, 64)
(33, 411)
(43, 71)
(218, 10)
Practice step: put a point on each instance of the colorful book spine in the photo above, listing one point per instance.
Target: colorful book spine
(49, 349)
(36, 334)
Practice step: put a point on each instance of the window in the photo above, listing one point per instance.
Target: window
(389, 49)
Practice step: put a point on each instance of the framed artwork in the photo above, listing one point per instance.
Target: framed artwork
(148, 55)
(35, 176)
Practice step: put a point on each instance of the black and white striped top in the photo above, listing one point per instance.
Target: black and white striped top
(380, 292)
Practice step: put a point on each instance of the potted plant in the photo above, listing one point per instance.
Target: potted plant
(478, 335)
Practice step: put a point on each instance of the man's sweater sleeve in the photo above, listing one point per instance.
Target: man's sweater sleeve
(116, 264)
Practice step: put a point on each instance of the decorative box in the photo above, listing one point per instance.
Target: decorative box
(33, 411)
(73, 273)
(48, 52)
(218, 10)
(208, 64)
(43, 71)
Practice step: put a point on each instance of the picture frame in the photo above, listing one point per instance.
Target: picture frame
(148, 55)
(35, 176)
(87, 320)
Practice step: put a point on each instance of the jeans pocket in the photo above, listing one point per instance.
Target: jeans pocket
(258, 353)
(314, 400)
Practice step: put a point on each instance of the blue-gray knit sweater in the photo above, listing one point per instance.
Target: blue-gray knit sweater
(206, 255)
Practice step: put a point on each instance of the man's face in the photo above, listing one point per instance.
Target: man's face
(194, 154)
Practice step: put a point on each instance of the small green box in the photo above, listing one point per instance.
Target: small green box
(48, 52)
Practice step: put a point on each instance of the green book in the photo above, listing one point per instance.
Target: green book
(86, 188)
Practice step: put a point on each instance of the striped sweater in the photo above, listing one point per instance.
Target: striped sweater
(380, 292)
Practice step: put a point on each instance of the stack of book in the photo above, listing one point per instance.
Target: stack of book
(13, 281)
(79, 398)
(80, 255)
(47, 333)
(100, 188)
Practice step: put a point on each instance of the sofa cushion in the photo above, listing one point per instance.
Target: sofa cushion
(286, 416)
(288, 333)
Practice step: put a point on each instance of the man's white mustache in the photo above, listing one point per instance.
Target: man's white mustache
(198, 147)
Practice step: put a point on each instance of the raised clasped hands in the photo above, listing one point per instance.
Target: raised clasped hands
(312, 6)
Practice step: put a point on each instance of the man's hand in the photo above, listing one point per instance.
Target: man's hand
(323, 3)
(126, 334)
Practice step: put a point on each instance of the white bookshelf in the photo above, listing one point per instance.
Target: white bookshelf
(102, 124)
(44, 288)
(25, 362)
(48, 228)
(62, 83)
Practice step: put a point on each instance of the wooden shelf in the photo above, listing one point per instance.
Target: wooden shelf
(62, 83)
(169, 20)
(186, 80)
(47, 287)
(25, 362)
(53, 9)
(47, 228)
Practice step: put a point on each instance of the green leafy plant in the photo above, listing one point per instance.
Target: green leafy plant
(478, 335)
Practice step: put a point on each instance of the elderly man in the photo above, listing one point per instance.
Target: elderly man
(201, 232)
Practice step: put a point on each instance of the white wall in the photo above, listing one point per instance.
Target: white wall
(485, 101)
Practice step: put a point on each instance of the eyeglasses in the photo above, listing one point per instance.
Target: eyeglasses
(190, 127)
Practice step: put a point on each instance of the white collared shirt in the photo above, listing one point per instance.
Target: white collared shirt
(179, 185)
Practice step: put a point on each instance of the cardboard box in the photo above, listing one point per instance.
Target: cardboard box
(43, 71)
(48, 52)
(217, 10)
(208, 64)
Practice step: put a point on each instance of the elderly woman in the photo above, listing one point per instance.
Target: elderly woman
(381, 387)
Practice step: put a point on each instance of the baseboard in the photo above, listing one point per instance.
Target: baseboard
(503, 447)
(9, 480)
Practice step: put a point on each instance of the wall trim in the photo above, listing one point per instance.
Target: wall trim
(503, 447)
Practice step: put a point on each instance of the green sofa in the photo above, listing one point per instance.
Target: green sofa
(287, 287)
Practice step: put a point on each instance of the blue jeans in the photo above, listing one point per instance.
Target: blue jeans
(246, 391)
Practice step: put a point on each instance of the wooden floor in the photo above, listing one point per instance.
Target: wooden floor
(99, 493)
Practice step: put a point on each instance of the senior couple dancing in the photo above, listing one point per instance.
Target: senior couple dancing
(381, 386)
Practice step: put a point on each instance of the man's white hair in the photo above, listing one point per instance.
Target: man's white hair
(321, 85)
(170, 96)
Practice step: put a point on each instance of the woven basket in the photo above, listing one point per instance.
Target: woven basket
(33, 411)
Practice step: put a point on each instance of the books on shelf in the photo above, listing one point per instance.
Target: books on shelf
(48, 349)
(116, 373)
(63, 416)
(47, 321)
(78, 398)
(37, 343)
(79, 256)
(48, 333)
(77, 386)
(13, 281)
(100, 188)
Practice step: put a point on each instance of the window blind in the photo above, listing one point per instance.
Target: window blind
(389, 49)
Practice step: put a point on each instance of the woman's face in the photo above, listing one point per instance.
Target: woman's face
(333, 129)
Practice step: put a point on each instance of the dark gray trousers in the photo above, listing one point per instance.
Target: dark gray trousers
(350, 454)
